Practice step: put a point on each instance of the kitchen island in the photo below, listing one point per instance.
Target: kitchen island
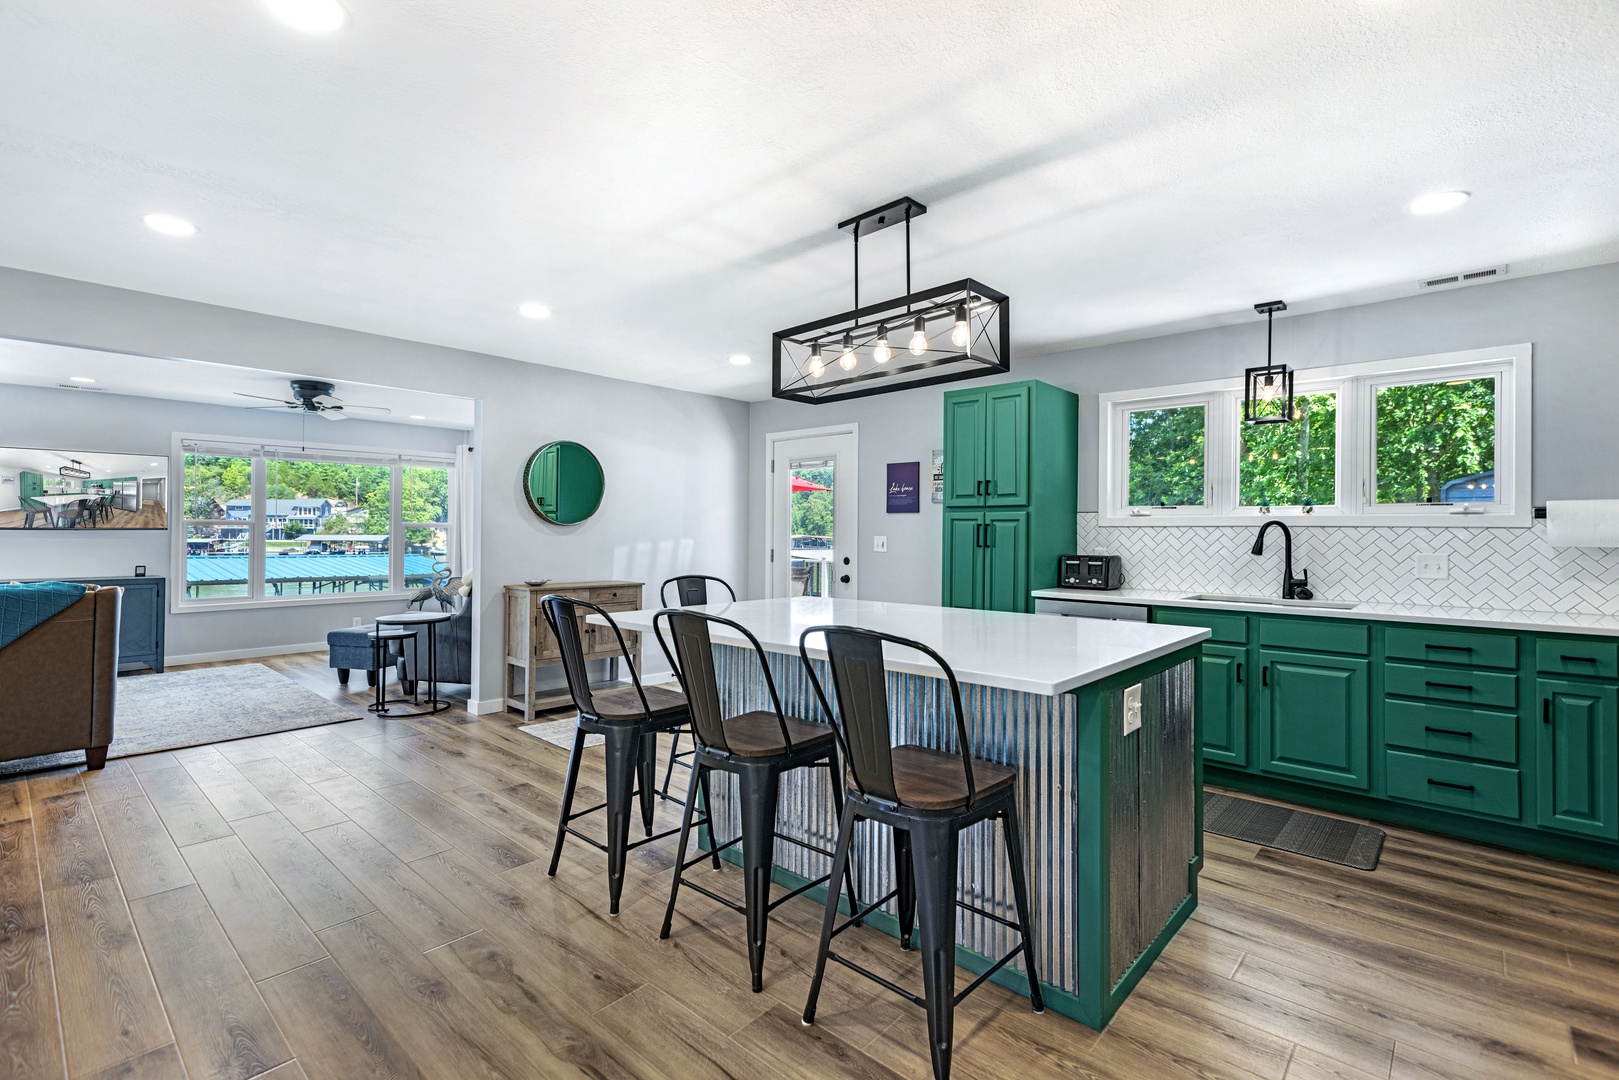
(1113, 819)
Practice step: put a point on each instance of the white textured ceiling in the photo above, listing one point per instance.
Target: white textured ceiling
(667, 175)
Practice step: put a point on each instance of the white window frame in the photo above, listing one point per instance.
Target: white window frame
(258, 451)
(1356, 386)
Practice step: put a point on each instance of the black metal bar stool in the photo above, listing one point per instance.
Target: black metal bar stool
(757, 748)
(928, 797)
(629, 719)
(691, 590)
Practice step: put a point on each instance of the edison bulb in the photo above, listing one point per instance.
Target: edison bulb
(1268, 388)
(882, 352)
(919, 337)
(961, 333)
(847, 358)
(816, 366)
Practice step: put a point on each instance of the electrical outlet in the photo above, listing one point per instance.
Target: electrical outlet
(1132, 708)
(879, 543)
(356, 622)
(1432, 567)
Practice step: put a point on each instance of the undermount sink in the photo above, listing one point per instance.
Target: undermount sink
(1233, 598)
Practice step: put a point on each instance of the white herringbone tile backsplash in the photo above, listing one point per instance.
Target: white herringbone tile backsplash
(1505, 569)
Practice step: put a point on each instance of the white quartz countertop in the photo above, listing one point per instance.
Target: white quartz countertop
(1553, 621)
(1032, 654)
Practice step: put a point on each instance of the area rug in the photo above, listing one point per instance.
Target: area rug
(204, 705)
(1315, 835)
(560, 733)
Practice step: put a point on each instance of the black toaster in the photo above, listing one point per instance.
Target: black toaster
(1090, 571)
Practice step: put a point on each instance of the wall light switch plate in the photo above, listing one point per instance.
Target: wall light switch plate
(356, 622)
(1132, 708)
(879, 543)
(1432, 567)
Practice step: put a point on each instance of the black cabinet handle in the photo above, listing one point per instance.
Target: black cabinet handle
(1447, 783)
(989, 487)
(1585, 659)
(1448, 731)
(1450, 686)
(978, 488)
(1264, 675)
(1452, 648)
(989, 536)
(1239, 671)
(1545, 710)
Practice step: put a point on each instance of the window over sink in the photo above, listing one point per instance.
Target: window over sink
(1429, 440)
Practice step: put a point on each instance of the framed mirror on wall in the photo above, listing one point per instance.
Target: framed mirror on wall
(563, 483)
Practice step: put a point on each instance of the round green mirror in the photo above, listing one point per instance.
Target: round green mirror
(563, 482)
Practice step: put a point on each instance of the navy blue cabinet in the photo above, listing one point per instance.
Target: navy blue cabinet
(141, 618)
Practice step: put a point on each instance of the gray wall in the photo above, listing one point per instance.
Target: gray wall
(675, 462)
(1570, 317)
(109, 423)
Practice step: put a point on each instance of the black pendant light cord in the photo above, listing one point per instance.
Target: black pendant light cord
(1270, 328)
(857, 266)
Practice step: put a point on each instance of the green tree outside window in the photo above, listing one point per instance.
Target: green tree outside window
(1166, 456)
(1432, 433)
(1285, 463)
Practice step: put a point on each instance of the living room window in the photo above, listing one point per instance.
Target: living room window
(276, 525)
(1428, 440)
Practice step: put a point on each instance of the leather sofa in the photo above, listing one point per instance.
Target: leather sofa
(58, 682)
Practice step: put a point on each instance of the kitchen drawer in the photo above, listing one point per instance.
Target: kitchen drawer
(1492, 688)
(1316, 635)
(1223, 628)
(1467, 786)
(1451, 729)
(629, 594)
(1572, 656)
(1450, 647)
(599, 641)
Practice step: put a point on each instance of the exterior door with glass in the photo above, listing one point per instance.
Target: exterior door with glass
(813, 483)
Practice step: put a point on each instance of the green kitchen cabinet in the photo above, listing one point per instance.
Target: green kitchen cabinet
(1315, 718)
(1222, 697)
(1577, 758)
(1011, 487)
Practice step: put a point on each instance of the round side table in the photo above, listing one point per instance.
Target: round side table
(407, 624)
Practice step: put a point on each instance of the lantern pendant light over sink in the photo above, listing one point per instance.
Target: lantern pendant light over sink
(957, 331)
(1267, 392)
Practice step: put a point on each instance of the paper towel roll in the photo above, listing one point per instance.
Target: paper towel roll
(1585, 523)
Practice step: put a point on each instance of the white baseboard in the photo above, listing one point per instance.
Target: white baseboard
(487, 706)
(243, 654)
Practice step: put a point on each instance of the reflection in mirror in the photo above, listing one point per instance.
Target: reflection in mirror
(563, 482)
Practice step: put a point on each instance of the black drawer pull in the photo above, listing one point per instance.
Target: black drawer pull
(1447, 783)
(1452, 648)
(1264, 675)
(1583, 659)
(1450, 686)
(1448, 731)
(1545, 710)
(1239, 671)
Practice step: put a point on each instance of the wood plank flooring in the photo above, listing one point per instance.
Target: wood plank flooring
(370, 899)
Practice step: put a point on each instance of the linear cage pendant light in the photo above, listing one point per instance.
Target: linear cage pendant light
(1267, 392)
(943, 334)
(74, 471)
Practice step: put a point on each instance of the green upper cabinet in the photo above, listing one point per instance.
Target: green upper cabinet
(1315, 718)
(1577, 758)
(964, 438)
(1006, 446)
(1011, 490)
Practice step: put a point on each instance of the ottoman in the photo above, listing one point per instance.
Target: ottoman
(350, 649)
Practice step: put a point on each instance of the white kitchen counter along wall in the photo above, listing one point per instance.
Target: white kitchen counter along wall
(1508, 569)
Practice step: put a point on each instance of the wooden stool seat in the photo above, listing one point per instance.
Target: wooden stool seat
(934, 780)
(758, 734)
(623, 703)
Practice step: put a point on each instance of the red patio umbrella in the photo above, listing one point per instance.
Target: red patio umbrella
(800, 484)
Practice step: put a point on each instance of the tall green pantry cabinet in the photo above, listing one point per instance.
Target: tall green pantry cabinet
(1011, 492)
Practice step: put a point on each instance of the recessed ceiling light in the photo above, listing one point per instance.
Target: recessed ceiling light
(80, 378)
(413, 416)
(1438, 202)
(169, 225)
(741, 360)
(531, 310)
(310, 16)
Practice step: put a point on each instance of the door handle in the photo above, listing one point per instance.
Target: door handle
(844, 579)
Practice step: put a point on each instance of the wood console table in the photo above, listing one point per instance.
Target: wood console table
(530, 643)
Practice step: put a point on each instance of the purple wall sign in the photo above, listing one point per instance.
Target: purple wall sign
(904, 487)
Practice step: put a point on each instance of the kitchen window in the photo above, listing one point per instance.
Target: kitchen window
(1430, 440)
(268, 525)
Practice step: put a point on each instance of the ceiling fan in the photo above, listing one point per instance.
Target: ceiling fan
(314, 396)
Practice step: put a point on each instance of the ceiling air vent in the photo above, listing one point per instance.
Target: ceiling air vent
(76, 386)
(1470, 277)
